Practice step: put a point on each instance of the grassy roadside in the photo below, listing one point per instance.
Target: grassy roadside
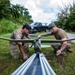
(8, 65)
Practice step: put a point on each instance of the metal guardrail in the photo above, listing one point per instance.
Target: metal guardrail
(37, 64)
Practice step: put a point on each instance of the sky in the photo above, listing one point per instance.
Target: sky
(44, 11)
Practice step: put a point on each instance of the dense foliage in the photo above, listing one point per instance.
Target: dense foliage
(7, 26)
(66, 17)
(15, 13)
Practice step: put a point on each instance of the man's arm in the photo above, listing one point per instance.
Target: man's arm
(17, 36)
(22, 50)
(63, 46)
(46, 34)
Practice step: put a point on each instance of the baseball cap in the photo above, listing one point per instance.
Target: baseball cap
(51, 25)
(27, 26)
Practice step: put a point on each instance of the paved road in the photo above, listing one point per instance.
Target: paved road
(70, 36)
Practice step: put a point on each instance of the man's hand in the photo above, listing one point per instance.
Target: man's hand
(58, 52)
(25, 57)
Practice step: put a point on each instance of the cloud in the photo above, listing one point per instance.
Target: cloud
(21, 2)
(40, 12)
(43, 10)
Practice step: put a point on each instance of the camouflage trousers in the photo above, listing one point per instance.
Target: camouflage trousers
(14, 50)
(57, 46)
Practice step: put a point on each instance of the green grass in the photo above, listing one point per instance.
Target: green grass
(9, 65)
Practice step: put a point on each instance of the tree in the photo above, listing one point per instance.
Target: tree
(72, 17)
(16, 13)
(4, 8)
(66, 17)
(21, 14)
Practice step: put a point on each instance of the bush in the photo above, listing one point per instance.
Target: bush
(7, 26)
